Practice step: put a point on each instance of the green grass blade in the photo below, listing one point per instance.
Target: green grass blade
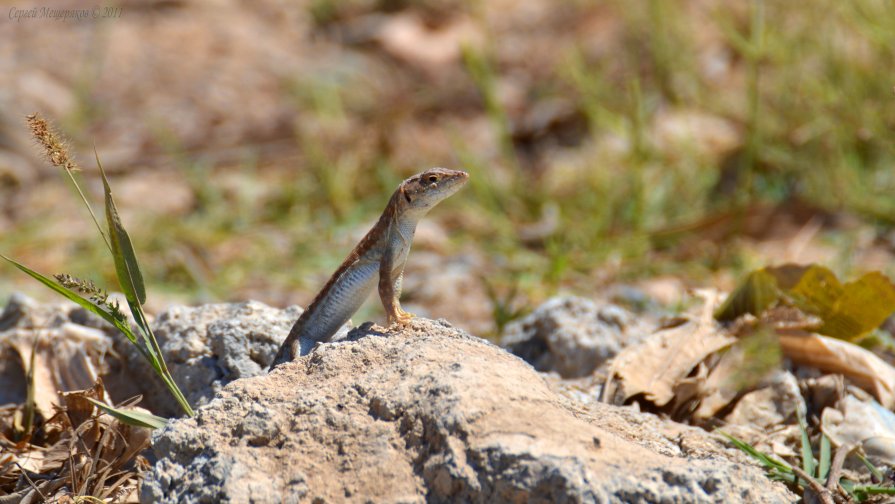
(148, 338)
(808, 463)
(178, 395)
(74, 182)
(129, 276)
(132, 417)
(776, 470)
(863, 493)
(872, 468)
(765, 460)
(849, 487)
(85, 303)
(823, 468)
(876, 490)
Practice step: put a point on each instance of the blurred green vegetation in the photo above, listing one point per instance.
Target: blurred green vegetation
(802, 90)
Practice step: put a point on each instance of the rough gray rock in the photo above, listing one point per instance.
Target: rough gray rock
(208, 346)
(570, 335)
(431, 414)
(23, 312)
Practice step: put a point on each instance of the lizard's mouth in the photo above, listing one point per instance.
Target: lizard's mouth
(455, 184)
(459, 180)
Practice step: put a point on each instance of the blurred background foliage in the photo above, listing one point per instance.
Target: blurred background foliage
(628, 149)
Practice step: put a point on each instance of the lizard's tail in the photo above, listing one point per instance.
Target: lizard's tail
(283, 355)
(306, 346)
(288, 351)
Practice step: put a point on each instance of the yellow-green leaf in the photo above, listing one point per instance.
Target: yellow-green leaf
(862, 307)
(848, 311)
(755, 294)
(816, 291)
(126, 266)
(787, 275)
(132, 417)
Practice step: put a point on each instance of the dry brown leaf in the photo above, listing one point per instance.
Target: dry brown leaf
(78, 408)
(44, 386)
(776, 404)
(716, 393)
(69, 357)
(659, 363)
(740, 368)
(864, 422)
(831, 355)
(688, 391)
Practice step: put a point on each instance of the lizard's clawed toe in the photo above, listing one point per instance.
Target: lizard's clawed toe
(401, 318)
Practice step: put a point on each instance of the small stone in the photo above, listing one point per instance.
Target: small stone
(569, 335)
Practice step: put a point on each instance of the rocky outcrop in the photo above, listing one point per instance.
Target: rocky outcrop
(433, 414)
(429, 413)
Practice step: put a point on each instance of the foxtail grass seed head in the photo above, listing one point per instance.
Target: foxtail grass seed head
(55, 149)
(98, 295)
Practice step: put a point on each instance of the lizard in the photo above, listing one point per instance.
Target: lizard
(376, 261)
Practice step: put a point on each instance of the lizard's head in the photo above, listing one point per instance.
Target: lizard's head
(425, 190)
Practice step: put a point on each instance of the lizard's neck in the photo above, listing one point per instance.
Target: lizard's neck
(397, 216)
(406, 221)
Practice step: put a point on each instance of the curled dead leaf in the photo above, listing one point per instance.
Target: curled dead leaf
(862, 367)
(665, 359)
(740, 368)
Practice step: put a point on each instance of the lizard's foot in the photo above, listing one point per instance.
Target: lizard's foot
(401, 317)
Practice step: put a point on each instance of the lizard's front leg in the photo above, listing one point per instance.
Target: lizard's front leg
(403, 316)
(390, 291)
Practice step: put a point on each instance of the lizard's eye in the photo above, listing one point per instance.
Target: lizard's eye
(433, 179)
